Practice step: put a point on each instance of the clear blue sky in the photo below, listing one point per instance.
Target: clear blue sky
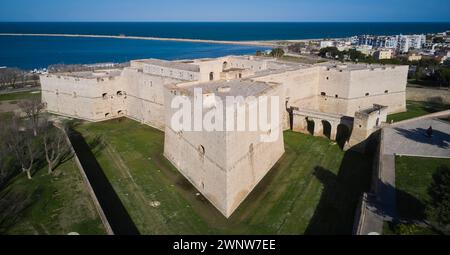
(225, 10)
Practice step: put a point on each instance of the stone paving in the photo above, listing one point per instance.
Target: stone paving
(405, 138)
(411, 139)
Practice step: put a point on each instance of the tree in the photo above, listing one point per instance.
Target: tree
(297, 47)
(330, 52)
(277, 53)
(35, 79)
(22, 144)
(439, 40)
(10, 76)
(443, 76)
(33, 108)
(55, 145)
(3, 154)
(439, 206)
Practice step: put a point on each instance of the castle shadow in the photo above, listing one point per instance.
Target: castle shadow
(439, 138)
(335, 211)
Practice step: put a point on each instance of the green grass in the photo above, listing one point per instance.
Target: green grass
(414, 175)
(57, 204)
(5, 115)
(390, 228)
(313, 189)
(426, 83)
(417, 109)
(19, 95)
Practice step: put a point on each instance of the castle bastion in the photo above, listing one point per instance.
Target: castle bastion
(226, 165)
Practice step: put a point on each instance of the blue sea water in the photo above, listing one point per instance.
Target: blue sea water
(226, 30)
(34, 52)
(40, 52)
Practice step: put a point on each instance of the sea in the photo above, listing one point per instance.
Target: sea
(40, 52)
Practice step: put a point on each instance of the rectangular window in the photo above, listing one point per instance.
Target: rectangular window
(323, 93)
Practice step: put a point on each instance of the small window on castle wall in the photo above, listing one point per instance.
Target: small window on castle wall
(367, 94)
(201, 150)
(104, 95)
(336, 96)
(386, 91)
(323, 93)
(328, 78)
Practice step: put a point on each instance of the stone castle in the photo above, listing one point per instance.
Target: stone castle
(348, 101)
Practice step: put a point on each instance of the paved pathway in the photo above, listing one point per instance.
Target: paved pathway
(410, 139)
(405, 138)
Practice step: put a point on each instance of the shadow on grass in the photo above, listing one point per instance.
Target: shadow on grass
(118, 217)
(13, 204)
(335, 212)
(439, 138)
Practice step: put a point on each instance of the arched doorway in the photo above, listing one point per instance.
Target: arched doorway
(342, 135)
(225, 65)
(211, 76)
(326, 129)
(310, 126)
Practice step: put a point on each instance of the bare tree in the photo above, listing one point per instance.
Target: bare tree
(10, 76)
(22, 144)
(35, 78)
(54, 144)
(3, 154)
(33, 108)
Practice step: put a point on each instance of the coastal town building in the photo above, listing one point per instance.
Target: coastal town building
(383, 54)
(324, 44)
(414, 56)
(323, 99)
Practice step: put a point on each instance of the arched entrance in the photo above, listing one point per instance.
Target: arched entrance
(326, 129)
(342, 135)
(211, 76)
(225, 65)
(310, 126)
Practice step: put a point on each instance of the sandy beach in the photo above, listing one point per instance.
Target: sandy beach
(246, 43)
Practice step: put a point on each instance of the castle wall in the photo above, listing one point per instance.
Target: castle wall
(347, 91)
(145, 97)
(170, 72)
(90, 99)
(199, 156)
(249, 158)
(247, 63)
(384, 86)
(225, 166)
